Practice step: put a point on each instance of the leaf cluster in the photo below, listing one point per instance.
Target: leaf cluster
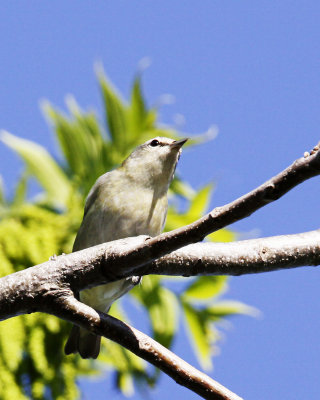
(33, 229)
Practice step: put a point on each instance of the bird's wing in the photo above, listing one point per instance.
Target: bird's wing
(99, 222)
(92, 196)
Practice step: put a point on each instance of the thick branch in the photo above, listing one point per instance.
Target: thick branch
(301, 170)
(48, 287)
(44, 288)
(26, 291)
(243, 257)
(118, 259)
(143, 346)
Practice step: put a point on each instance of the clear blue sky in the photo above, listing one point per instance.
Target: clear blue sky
(250, 67)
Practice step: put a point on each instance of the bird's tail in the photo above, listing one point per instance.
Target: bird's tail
(85, 343)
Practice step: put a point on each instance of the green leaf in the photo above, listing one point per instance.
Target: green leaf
(116, 112)
(12, 348)
(82, 143)
(144, 293)
(197, 206)
(9, 388)
(29, 234)
(228, 308)
(182, 188)
(205, 137)
(197, 332)
(200, 201)
(223, 235)
(66, 135)
(176, 220)
(20, 190)
(137, 111)
(164, 317)
(206, 287)
(42, 166)
(125, 383)
(162, 307)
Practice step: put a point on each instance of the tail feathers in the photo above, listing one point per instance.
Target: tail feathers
(84, 342)
(89, 344)
(72, 343)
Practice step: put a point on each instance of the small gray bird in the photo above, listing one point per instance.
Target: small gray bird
(128, 201)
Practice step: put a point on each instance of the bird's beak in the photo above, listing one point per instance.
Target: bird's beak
(178, 143)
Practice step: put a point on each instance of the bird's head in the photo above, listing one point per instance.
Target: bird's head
(153, 163)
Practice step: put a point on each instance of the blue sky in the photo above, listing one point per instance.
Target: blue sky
(253, 69)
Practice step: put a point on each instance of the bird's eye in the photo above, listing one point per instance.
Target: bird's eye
(154, 143)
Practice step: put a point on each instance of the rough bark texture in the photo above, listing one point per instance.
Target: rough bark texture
(49, 287)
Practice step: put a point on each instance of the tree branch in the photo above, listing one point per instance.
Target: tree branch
(302, 169)
(27, 290)
(243, 257)
(143, 346)
(49, 287)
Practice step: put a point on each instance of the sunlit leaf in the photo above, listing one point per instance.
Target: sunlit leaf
(182, 188)
(205, 137)
(197, 206)
(42, 166)
(81, 142)
(228, 308)
(12, 348)
(137, 113)
(9, 388)
(20, 190)
(116, 112)
(164, 317)
(198, 335)
(206, 287)
(125, 383)
(176, 220)
(200, 201)
(162, 307)
(223, 235)
(31, 233)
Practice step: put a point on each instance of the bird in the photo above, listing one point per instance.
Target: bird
(130, 200)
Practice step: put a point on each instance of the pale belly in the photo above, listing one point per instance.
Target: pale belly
(102, 297)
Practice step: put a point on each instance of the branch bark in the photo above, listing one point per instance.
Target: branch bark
(243, 257)
(49, 287)
(302, 169)
(144, 347)
(27, 290)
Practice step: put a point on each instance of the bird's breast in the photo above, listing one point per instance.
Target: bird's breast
(134, 212)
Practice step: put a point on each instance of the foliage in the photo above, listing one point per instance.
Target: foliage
(31, 346)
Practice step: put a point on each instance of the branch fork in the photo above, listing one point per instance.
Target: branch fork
(49, 287)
